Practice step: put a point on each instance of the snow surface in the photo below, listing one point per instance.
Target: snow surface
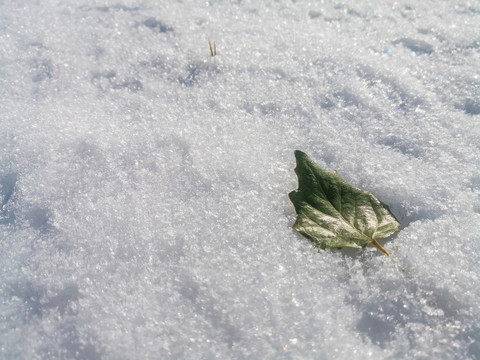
(144, 183)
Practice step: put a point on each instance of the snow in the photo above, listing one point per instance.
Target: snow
(144, 184)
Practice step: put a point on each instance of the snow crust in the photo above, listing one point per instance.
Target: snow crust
(143, 183)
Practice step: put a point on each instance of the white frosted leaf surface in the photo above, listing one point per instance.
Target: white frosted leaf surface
(144, 208)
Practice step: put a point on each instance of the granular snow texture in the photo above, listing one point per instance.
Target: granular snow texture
(144, 183)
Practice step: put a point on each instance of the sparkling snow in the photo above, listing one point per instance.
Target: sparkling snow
(144, 184)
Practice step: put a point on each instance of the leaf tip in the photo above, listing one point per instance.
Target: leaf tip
(299, 154)
(302, 160)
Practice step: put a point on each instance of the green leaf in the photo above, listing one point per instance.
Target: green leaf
(333, 213)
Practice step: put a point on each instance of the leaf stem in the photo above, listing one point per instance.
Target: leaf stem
(375, 242)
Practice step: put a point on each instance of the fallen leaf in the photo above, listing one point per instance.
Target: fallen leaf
(333, 213)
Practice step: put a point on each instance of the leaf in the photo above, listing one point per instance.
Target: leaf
(333, 213)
